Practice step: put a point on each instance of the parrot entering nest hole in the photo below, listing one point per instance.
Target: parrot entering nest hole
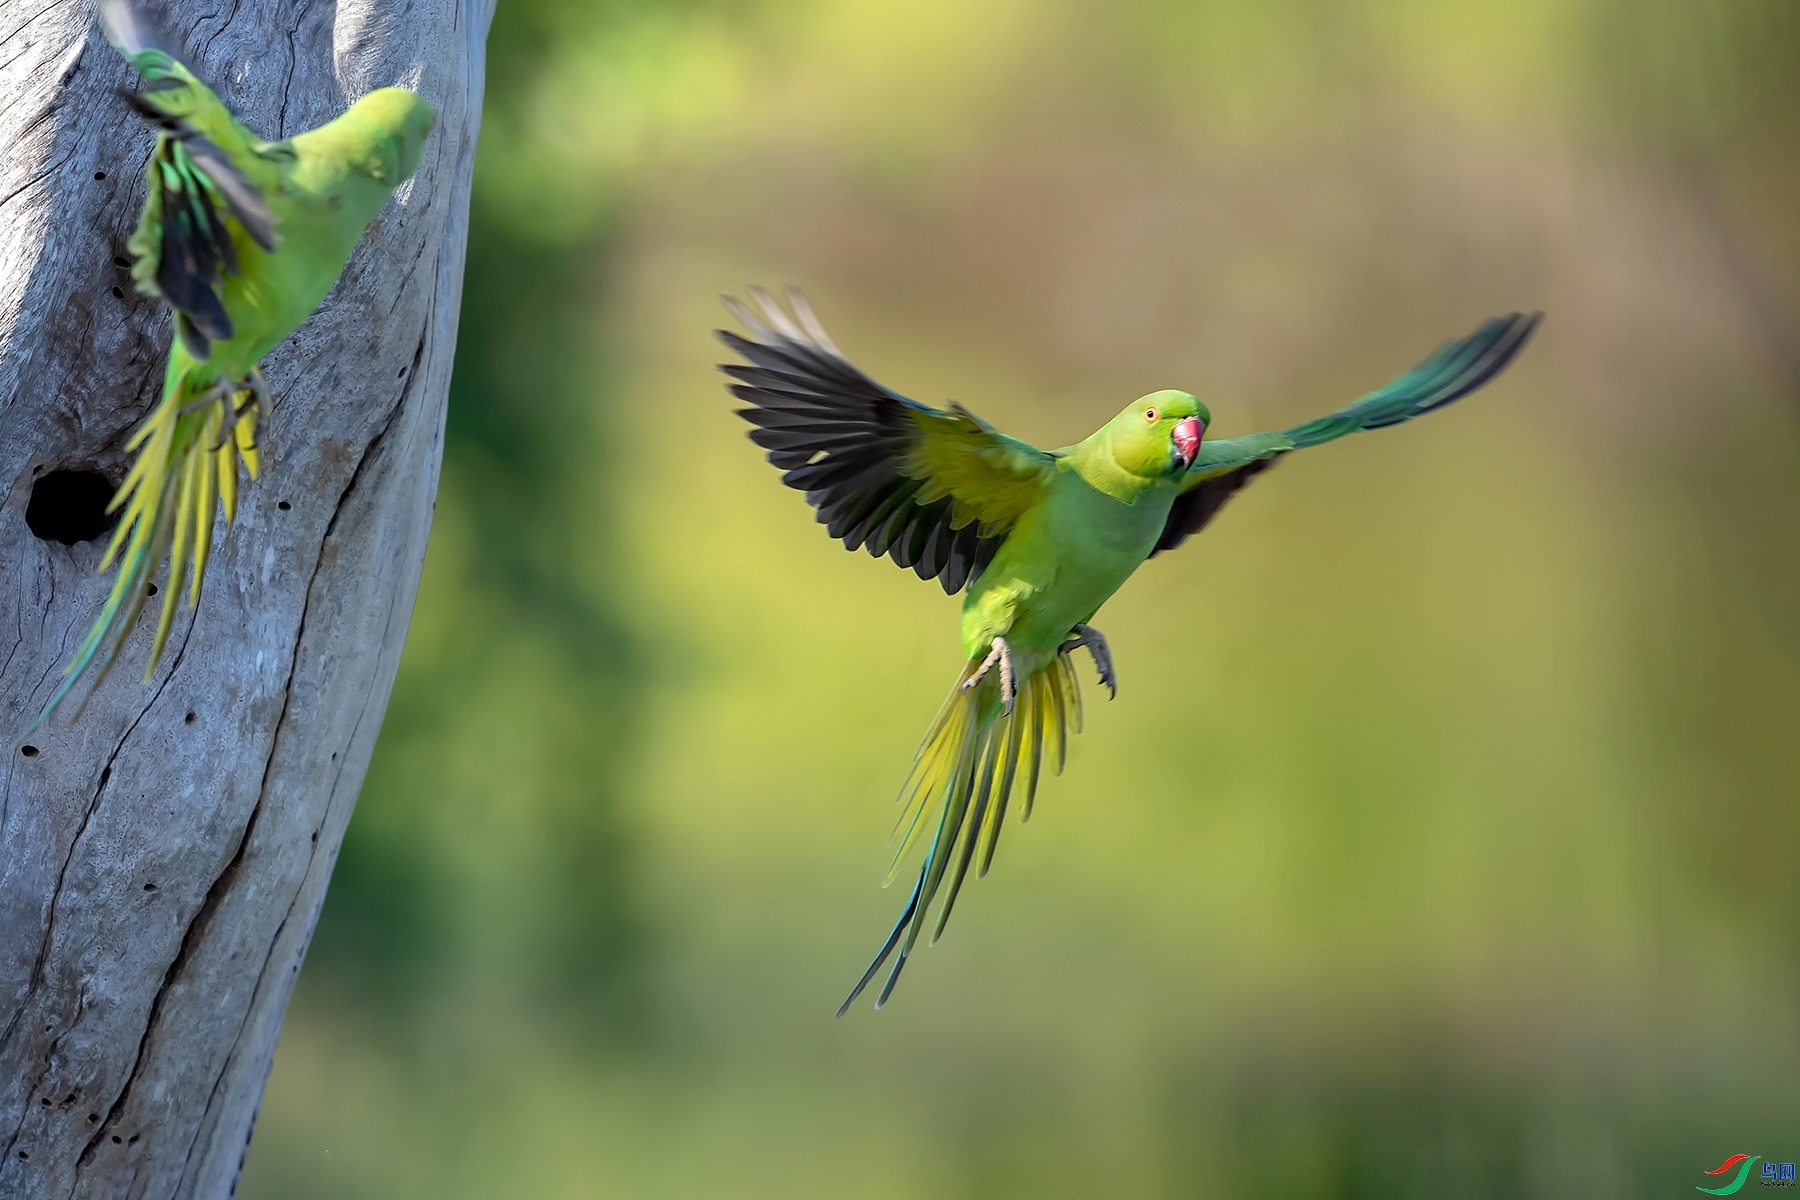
(242, 239)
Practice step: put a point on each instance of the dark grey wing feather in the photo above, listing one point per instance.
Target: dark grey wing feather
(194, 250)
(245, 198)
(134, 29)
(840, 437)
(1198, 505)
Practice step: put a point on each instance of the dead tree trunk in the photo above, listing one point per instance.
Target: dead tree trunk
(163, 859)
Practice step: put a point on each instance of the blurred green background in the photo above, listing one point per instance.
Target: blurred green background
(1441, 840)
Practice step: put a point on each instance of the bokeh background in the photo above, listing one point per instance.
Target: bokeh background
(1442, 838)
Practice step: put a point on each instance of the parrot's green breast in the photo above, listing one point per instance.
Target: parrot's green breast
(1063, 561)
(273, 294)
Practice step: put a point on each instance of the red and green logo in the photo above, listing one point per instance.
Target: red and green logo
(1742, 1162)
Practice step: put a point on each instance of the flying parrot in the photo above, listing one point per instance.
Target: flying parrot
(1036, 540)
(241, 238)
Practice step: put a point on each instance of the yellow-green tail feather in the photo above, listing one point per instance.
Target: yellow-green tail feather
(186, 467)
(962, 779)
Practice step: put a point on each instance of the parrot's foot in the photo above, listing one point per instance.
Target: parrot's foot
(1095, 641)
(250, 396)
(211, 395)
(1001, 654)
(236, 397)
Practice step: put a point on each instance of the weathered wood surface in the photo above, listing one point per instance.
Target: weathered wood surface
(162, 861)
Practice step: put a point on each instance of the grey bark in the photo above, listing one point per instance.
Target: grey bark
(163, 859)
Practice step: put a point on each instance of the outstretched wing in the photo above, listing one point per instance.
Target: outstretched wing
(182, 244)
(1456, 369)
(934, 490)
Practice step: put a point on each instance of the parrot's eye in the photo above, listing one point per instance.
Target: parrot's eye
(1150, 415)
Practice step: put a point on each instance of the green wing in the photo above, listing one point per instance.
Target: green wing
(935, 490)
(1456, 369)
(197, 177)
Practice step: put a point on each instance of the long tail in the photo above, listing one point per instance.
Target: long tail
(186, 467)
(962, 777)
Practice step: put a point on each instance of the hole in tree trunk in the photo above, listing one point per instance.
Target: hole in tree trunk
(70, 507)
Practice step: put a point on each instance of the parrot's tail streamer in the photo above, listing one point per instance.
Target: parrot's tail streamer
(963, 776)
(188, 452)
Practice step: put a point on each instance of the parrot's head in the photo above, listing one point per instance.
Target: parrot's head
(395, 122)
(1158, 435)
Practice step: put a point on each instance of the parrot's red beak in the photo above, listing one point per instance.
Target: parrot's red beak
(1187, 435)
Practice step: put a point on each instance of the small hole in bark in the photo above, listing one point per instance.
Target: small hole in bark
(105, 774)
(117, 1139)
(99, 174)
(284, 506)
(133, 1139)
(28, 751)
(45, 1102)
(24, 1157)
(151, 591)
(315, 835)
(402, 374)
(118, 293)
(149, 887)
(119, 260)
(93, 1117)
(189, 719)
(70, 507)
(69, 1099)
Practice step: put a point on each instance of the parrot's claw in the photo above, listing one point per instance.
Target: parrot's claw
(259, 395)
(251, 393)
(1095, 641)
(234, 396)
(1001, 654)
(211, 395)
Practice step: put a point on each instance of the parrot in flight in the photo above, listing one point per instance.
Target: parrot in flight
(1036, 540)
(241, 238)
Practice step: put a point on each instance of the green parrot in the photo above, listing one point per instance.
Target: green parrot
(1039, 540)
(241, 238)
